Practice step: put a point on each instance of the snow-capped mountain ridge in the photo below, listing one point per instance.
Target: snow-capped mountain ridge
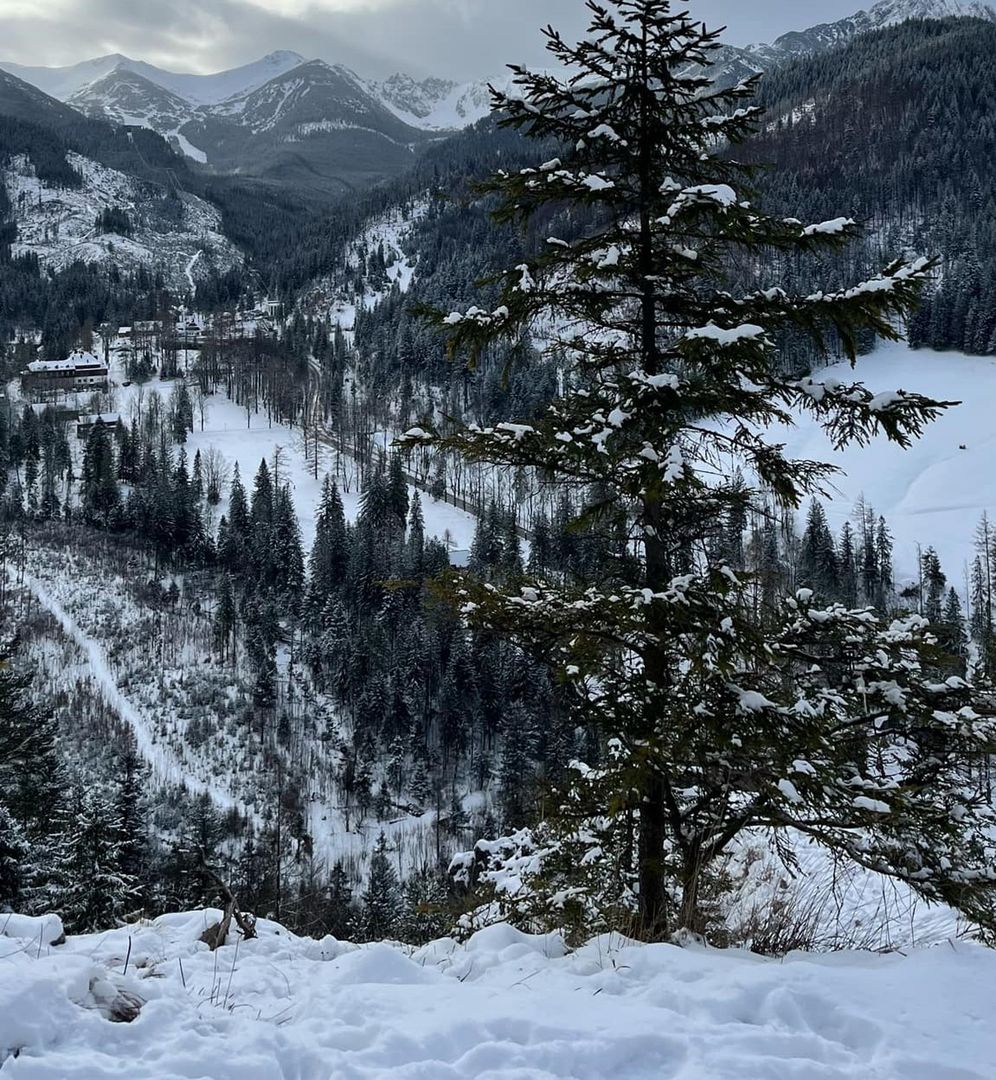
(66, 82)
(123, 96)
(733, 64)
(108, 85)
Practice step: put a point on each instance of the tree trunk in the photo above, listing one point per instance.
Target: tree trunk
(652, 878)
(689, 917)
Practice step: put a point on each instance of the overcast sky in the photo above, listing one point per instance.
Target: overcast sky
(461, 39)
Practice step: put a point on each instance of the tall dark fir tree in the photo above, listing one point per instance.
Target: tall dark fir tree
(708, 721)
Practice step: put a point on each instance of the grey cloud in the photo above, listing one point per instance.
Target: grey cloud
(458, 38)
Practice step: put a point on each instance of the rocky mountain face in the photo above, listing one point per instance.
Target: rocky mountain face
(125, 97)
(316, 124)
(281, 118)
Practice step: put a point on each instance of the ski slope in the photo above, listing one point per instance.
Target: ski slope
(505, 1006)
(935, 492)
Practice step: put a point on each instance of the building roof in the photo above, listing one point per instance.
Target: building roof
(52, 365)
(76, 359)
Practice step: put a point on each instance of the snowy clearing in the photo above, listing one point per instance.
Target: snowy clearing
(245, 438)
(935, 492)
(505, 1006)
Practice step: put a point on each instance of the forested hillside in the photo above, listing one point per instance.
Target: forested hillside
(241, 640)
(898, 129)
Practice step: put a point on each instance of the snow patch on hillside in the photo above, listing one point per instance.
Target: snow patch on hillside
(504, 1006)
(935, 492)
(437, 105)
(391, 230)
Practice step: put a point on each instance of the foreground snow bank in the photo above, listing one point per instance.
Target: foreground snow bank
(505, 1006)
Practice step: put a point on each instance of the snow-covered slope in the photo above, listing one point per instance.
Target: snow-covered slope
(317, 123)
(935, 492)
(63, 82)
(505, 1006)
(210, 89)
(435, 104)
(125, 97)
(59, 224)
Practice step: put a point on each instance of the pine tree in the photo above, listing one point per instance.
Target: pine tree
(382, 898)
(329, 558)
(234, 548)
(287, 555)
(99, 493)
(31, 779)
(818, 564)
(94, 891)
(181, 412)
(226, 619)
(129, 805)
(425, 915)
(13, 854)
(934, 581)
(341, 915)
(703, 717)
(951, 633)
(261, 515)
(397, 491)
(848, 580)
(416, 538)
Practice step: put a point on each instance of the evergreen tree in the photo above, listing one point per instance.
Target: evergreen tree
(234, 548)
(341, 915)
(818, 564)
(181, 412)
(329, 558)
(131, 815)
(226, 619)
(416, 538)
(100, 496)
(703, 716)
(94, 892)
(847, 561)
(288, 558)
(951, 633)
(425, 914)
(934, 581)
(31, 780)
(382, 898)
(397, 491)
(13, 854)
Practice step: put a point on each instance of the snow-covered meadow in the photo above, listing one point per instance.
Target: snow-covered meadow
(935, 492)
(503, 1006)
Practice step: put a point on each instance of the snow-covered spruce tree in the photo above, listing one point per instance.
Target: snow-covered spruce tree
(382, 899)
(93, 889)
(712, 722)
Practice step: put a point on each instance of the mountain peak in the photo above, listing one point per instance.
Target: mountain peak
(283, 56)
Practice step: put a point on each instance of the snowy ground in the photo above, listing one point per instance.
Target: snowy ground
(505, 1006)
(935, 492)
